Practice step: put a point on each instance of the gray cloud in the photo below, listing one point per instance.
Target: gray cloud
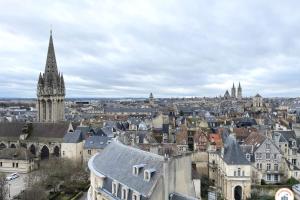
(171, 48)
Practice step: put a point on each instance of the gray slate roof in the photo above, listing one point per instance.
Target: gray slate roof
(116, 161)
(39, 130)
(233, 154)
(73, 137)
(176, 196)
(96, 142)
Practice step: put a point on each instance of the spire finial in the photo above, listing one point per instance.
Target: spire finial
(50, 29)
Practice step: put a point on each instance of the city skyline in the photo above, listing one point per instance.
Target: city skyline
(173, 49)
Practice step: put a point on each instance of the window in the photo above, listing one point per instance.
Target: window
(63, 153)
(267, 146)
(13, 164)
(268, 166)
(17, 165)
(276, 167)
(0, 164)
(135, 170)
(135, 196)
(124, 193)
(294, 161)
(239, 171)
(268, 177)
(257, 165)
(275, 155)
(260, 165)
(276, 177)
(114, 188)
(89, 152)
(234, 173)
(258, 155)
(267, 155)
(146, 176)
(243, 173)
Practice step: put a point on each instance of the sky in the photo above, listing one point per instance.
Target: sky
(173, 48)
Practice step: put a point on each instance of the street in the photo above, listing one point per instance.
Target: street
(16, 186)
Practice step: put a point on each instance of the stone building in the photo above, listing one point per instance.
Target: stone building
(50, 90)
(123, 172)
(265, 156)
(257, 101)
(230, 171)
(17, 160)
(42, 139)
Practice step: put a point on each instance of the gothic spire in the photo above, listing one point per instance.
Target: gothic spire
(51, 66)
(240, 85)
(233, 86)
(40, 79)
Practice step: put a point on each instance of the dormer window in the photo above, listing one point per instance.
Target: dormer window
(114, 190)
(136, 169)
(148, 174)
(124, 194)
(135, 196)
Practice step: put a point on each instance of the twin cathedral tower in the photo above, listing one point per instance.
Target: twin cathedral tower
(51, 90)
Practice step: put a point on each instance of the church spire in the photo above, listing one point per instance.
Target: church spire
(51, 66)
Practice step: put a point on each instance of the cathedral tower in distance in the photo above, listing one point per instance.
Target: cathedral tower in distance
(239, 92)
(233, 92)
(50, 90)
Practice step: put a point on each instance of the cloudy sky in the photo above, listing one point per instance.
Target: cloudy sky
(111, 48)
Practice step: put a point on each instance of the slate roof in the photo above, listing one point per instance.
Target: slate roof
(176, 196)
(116, 161)
(233, 154)
(255, 139)
(73, 137)
(16, 154)
(39, 130)
(96, 142)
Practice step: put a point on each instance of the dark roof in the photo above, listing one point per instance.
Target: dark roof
(16, 154)
(73, 137)
(39, 130)
(176, 196)
(96, 142)
(116, 161)
(233, 154)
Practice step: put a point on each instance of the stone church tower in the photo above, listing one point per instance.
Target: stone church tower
(239, 92)
(233, 92)
(50, 90)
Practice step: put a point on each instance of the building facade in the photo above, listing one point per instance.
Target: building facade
(122, 172)
(230, 171)
(50, 90)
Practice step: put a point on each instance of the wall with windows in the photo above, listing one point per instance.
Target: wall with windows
(20, 166)
(268, 161)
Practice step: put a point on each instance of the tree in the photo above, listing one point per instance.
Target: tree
(3, 187)
(36, 192)
(56, 171)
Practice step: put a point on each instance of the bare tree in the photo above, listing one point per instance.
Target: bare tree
(3, 187)
(36, 192)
